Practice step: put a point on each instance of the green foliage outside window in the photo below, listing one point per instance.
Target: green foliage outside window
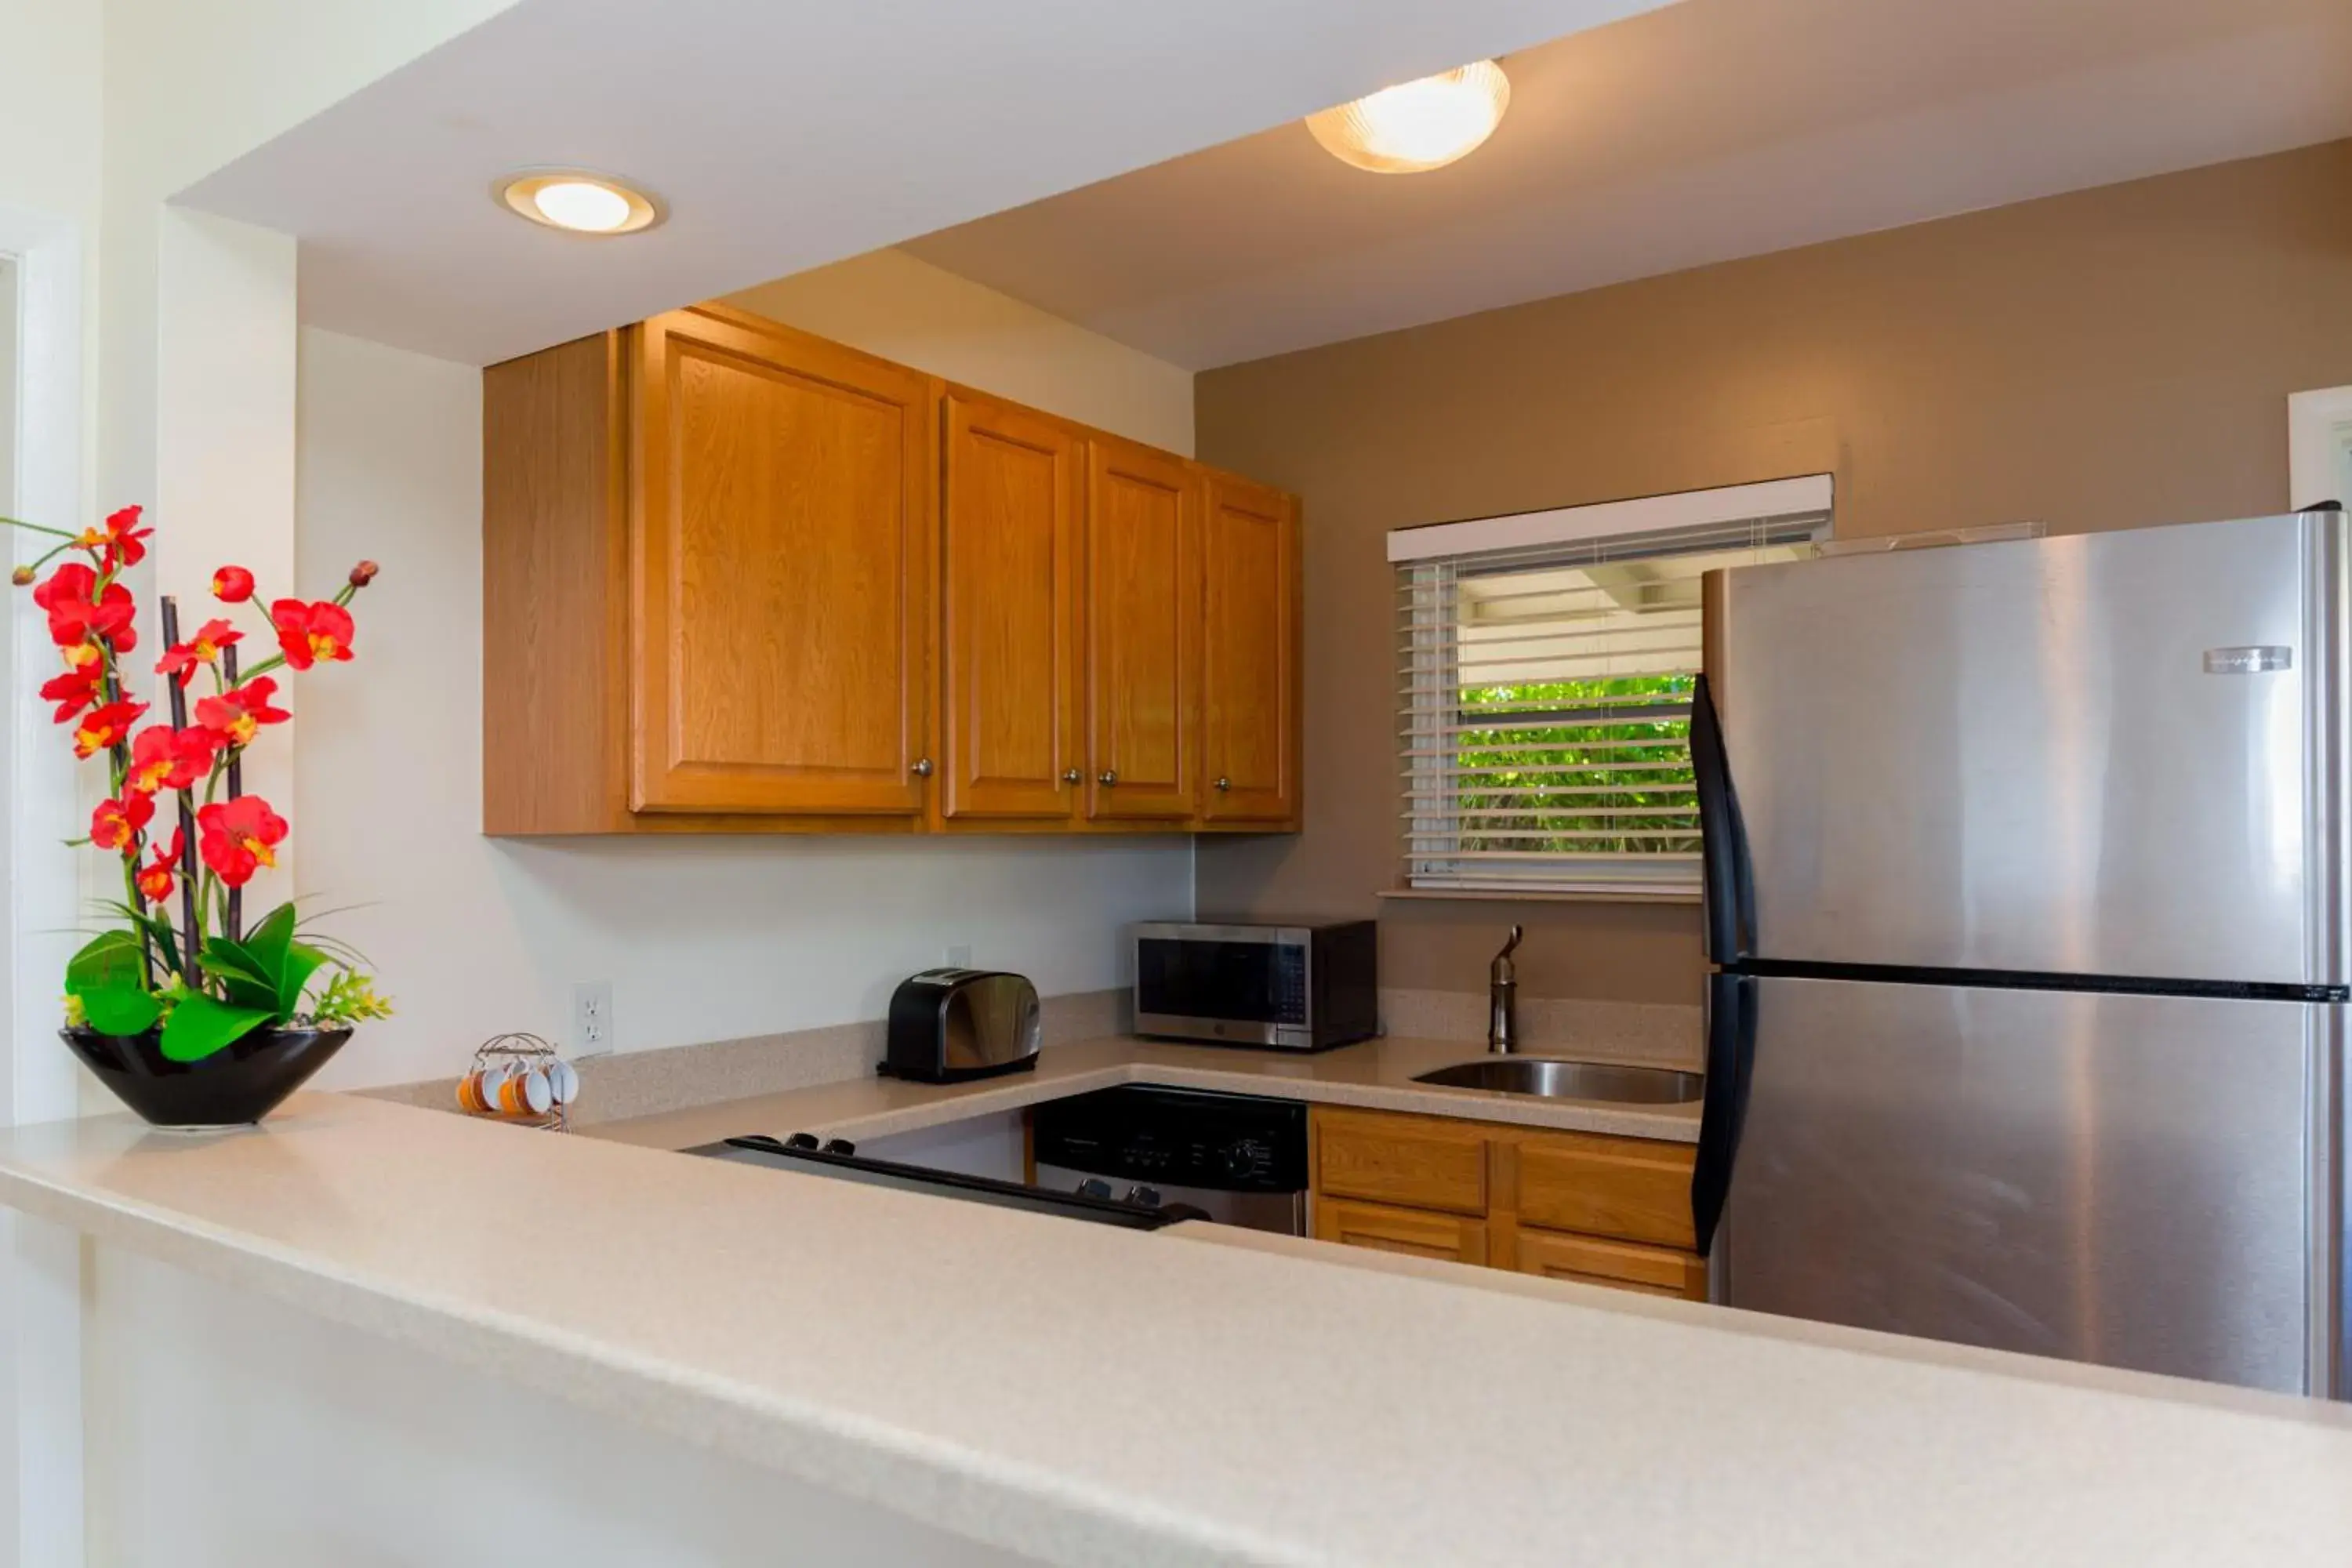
(1635, 793)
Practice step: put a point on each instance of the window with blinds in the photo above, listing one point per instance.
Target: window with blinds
(1546, 664)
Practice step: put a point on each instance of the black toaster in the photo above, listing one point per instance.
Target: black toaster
(948, 1024)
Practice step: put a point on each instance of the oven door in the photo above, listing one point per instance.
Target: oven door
(1234, 984)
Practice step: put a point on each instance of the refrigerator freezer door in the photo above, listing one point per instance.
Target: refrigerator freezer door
(2109, 1178)
(2107, 754)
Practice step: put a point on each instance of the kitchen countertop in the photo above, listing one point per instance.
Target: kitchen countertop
(1084, 1395)
(1376, 1074)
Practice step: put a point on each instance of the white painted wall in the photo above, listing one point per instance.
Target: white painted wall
(228, 1431)
(890, 303)
(703, 939)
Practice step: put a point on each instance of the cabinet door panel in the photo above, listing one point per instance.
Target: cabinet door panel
(1620, 1265)
(780, 537)
(1015, 488)
(1426, 1161)
(1628, 1187)
(1450, 1237)
(1143, 609)
(1249, 653)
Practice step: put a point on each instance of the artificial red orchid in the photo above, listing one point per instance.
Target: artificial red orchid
(308, 632)
(163, 758)
(80, 611)
(118, 542)
(181, 658)
(198, 982)
(117, 824)
(237, 714)
(154, 879)
(74, 690)
(237, 837)
(106, 727)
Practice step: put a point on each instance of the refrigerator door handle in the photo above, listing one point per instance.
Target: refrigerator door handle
(1730, 1062)
(1729, 888)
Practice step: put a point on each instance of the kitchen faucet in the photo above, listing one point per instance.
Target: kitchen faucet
(1502, 999)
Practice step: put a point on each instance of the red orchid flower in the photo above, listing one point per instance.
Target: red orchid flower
(74, 690)
(181, 658)
(154, 877)
(105, 726)
(116, 824)
(310, 632)
(237, 837)
(119, 538)
(236, 713)
(231, 585)
(165, 758)
(75, 620)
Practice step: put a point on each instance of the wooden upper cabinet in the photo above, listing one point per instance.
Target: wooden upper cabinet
(1011, 534)
(781, 534)
(738, 579)
(1249, 653)
(1143, 630)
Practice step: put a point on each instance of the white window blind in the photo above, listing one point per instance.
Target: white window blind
(1544, 671)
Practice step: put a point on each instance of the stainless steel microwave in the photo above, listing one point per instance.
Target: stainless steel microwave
(1291, 987)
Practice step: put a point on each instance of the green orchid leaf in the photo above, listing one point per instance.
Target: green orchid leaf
(302, 960)
(109, 960)
(239, 973)
(119, 1009)
(167, 941)
(200, 1026)
(266, 942)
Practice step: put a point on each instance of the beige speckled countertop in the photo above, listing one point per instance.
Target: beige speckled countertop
(1088, 1396)
(1377, 1074)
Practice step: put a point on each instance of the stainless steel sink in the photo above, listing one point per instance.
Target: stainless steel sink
(1570, 1080)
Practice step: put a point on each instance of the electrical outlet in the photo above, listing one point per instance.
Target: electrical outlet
(959, 956)
(591, 1018)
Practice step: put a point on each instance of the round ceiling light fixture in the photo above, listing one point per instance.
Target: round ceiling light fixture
(1417, 125)
(577, 201)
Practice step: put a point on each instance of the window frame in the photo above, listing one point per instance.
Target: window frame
(1431, 561)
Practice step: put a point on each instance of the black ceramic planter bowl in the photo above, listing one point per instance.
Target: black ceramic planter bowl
(233, 1087)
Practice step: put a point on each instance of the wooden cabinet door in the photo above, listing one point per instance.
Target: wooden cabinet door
(781, 538)
(1620, 1265)
(1143, 628)
(1428, 1162)
(1015, 488)
(1451, 1237)
(1249, 653)
(1632, 1188)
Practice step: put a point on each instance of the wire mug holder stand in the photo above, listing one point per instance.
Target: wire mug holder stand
(519, 1079)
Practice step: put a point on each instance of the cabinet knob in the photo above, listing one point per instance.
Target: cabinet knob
(922, 767)
(1224, 783)
(1107, 777)
(1071, 776)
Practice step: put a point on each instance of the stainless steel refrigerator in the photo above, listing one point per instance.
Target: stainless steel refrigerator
(2026, 892)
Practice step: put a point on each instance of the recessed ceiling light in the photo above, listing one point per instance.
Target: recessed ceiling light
(578, 201)
(1417, 125)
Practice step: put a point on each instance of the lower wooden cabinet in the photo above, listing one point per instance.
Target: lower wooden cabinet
(1620, 1264)
(1448, 1237)
(1597, 1209)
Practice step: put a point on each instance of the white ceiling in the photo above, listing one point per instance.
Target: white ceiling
(784, 135)
(1710, 130)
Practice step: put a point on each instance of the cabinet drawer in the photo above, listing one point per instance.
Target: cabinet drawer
(1623, 1265)
(1632, 1188)
(1414, 1159)
(1412, 1232)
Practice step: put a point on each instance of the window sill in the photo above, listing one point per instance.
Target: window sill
(1543, 895)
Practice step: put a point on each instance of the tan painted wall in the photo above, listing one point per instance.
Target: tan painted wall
(2099, 359)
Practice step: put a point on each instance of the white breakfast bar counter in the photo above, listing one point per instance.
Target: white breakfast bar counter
(878, 1376)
